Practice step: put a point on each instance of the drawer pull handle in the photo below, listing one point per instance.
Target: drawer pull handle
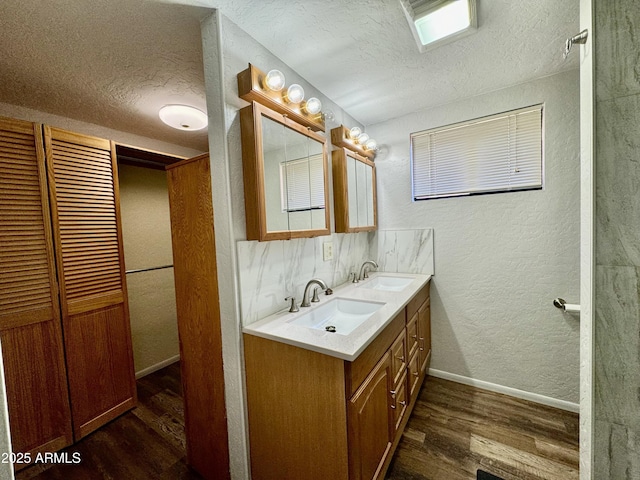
(403, 403)
(414, 337)
(401, 358)
(415, 374)
(393, 407)
(393, 392)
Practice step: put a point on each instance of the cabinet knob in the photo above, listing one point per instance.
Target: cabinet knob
(414, 337)
(393, 407)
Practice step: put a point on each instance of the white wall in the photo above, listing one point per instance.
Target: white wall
(500, 259)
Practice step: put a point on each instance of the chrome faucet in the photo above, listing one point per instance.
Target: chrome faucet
(321, 284)
(364, 271)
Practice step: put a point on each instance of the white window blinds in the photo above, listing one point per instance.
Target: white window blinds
(499, 153)
(302, 184)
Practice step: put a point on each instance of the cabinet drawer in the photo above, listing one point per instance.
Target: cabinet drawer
(414, 374)
(399, 401)
(399, 356)
(419, 298)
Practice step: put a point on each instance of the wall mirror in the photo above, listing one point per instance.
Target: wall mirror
(285, 176)
(354, 192)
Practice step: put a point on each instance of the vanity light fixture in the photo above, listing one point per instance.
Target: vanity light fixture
(435, 22)
(313, 106)
(274, 80)
(295, 93)
(269, 89)
(183, 117)
(371, 145)
(355, 132)
(355, 140)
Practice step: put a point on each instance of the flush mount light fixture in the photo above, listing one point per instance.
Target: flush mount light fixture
(435, 22)
(183, 117)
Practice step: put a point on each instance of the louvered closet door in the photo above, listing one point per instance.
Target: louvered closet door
(86, 220)
(30, 328)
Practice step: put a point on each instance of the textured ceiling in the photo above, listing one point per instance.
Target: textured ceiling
(115, 62)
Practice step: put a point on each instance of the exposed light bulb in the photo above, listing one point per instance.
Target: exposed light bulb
(313, 106)
(354, 133)
(183, 117)
(274, 80)
(295, 93)
(371, 144)
(362, 138)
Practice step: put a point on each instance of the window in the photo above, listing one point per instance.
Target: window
(302, 184)
(500, 153)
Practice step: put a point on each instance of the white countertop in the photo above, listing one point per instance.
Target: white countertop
(347, 347)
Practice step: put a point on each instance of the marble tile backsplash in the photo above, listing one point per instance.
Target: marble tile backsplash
(271, 271)
(408, 251)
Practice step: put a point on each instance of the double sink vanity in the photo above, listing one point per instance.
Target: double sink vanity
(331, 386)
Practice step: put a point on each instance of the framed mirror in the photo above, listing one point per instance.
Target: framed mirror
(354, 192)
(285, 176)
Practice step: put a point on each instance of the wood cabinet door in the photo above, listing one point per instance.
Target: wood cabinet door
(197, 300)
(83, 188)
(424, 334)
(30, 328)
(371, 423)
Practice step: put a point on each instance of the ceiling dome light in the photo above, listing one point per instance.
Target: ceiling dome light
(183, 117)
(313, 105)
(274, 80)
(371, 144)
(354, 133)
(295, 93)
(362, 138)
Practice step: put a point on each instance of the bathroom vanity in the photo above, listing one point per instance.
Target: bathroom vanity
(331, 401)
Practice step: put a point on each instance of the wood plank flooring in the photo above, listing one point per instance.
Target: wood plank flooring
(456, 429)
(145, 443)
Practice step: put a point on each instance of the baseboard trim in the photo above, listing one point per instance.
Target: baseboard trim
(513, 392)
(158, 366)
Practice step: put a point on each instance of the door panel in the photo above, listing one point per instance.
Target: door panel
(30, 328)
(86, 219)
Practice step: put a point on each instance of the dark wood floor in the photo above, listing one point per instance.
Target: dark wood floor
(146, 443)
(454, 430)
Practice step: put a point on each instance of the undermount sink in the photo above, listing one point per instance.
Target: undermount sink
(339, 315)
(392, 284)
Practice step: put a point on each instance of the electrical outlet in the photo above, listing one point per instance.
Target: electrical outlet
(327, 253)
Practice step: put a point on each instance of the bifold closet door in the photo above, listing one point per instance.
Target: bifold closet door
(30, 328)
(85, 209)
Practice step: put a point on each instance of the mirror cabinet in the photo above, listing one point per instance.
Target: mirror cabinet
(285, 176)
(354, 192)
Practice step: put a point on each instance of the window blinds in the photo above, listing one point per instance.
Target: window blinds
(302, 184)
(499, 153)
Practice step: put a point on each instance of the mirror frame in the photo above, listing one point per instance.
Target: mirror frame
(253, 171)
(341, 191)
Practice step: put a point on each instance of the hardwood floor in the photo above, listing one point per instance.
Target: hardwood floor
(146, 443)
(456, 429)
(453, 431)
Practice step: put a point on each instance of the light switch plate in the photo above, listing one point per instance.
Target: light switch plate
(327, 252)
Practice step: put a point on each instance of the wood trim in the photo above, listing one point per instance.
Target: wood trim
(130, 155)
(187, 161)
(418, 299)
(72, 137)
(251, 88)
(87, 304)
(22, 319)
(51, 446)
(356, 372)
(94, 424)
(340, 138)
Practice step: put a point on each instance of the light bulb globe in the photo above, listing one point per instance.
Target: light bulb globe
(295, 93)
(313, 106)
(354, 133)
(362, 138)
(274, 80)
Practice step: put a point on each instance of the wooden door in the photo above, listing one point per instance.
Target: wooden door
(83, 187)
(198, 308)
(371, 423)
(30, 328)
